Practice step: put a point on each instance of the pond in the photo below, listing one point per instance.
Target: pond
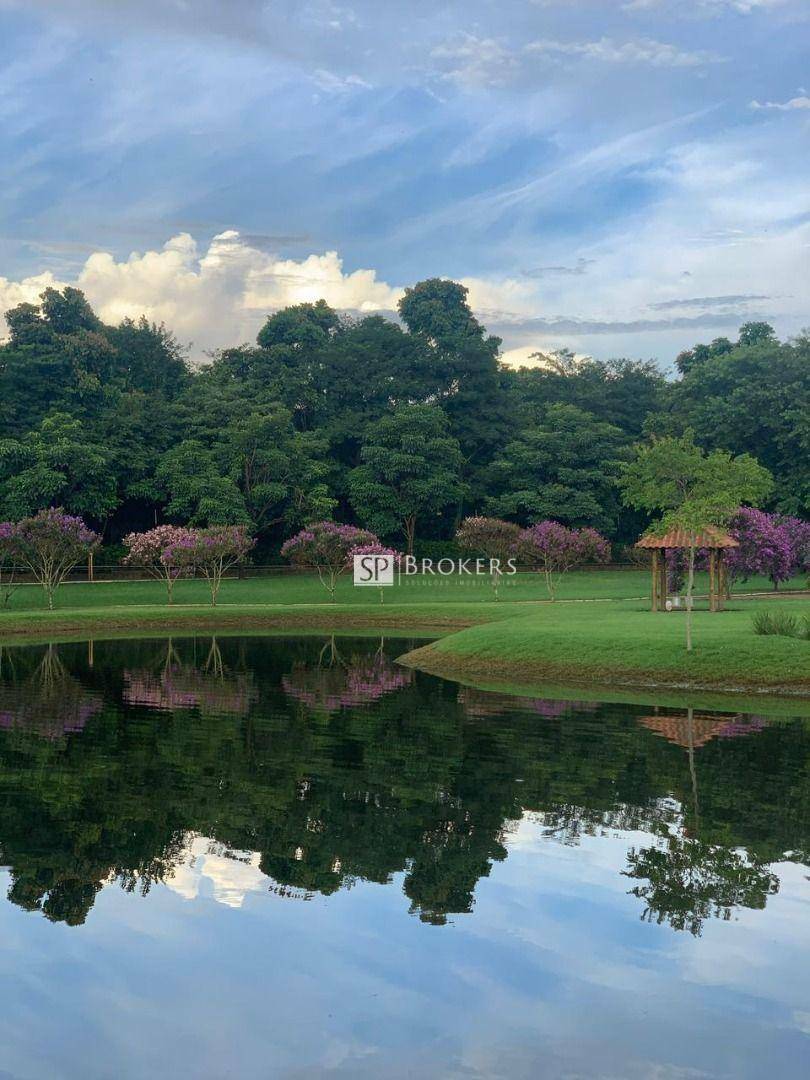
(265, 857)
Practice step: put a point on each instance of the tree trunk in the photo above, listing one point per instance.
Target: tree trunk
(690, 585)
(409, 524)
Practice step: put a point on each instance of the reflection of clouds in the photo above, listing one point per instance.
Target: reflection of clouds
(231, 875)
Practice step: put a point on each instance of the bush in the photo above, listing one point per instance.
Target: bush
(781, 624)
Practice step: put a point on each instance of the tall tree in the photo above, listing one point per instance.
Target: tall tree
(411, 468)
(564, 467)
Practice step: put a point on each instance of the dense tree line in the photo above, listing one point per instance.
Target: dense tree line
(404, 428)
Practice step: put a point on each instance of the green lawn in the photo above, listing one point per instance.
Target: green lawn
(614, 640)
(624, 643)
(307, 589)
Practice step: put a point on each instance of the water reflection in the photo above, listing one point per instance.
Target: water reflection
(301, 768)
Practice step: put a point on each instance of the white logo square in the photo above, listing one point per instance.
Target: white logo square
(374, 570)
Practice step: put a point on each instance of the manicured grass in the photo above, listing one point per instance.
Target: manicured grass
(614, 640)
(625, 644)
(282, 589)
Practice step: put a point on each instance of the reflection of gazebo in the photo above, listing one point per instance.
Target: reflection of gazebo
(712, 539)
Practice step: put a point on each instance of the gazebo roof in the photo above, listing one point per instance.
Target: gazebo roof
(679, 538)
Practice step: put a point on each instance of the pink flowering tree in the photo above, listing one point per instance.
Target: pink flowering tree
(7, 558)
(50, 544)
(375, 548)
(491, 538)
(211, 552)
(765, 547)
(325, 547)
(555, 549)
(146, 550)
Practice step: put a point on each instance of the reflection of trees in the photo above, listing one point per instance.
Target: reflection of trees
(336, 682)
(688, 881)
(174, 684)
(408, 778)
(46, 701)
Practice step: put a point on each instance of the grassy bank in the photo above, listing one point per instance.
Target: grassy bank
(625, 645)
(599, 633)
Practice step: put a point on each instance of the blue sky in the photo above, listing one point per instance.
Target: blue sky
(624, 178)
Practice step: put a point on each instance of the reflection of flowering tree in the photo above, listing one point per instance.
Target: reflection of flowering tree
(182, 686)
(50, 702)
(361, 680)
(481, 703)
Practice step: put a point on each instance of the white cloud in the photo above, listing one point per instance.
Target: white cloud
(474, 62)
(639, 51)
(230, 875)
(216, 298)
(802, 102)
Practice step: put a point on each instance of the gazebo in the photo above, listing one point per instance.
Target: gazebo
(715, 540)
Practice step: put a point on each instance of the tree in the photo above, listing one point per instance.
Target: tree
(492, 538)
(564, 468)
(556, 550)
(695, 491)
(199, 490)
(766, 547)
(147, 549)
(754, 399)
(326, 547)
(56, 465)
(210, 551)
(410, 468)
(50, 544)
(460, 368)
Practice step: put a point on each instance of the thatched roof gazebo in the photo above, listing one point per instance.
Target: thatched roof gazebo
(715, 540)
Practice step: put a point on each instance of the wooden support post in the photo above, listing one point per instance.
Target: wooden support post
(712, 579)
(90, 566)
(722, 579)
(655, 580)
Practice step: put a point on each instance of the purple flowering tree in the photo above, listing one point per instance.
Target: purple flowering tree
(212, 552)
(555, 549)
(493, 538)
(767, 546)
(7, 558)
(146, 550)
(50, 544)
(325, 547)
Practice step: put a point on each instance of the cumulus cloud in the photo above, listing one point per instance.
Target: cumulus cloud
(214, 298)
(608, 51)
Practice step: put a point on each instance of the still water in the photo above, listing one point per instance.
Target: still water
(254, 857)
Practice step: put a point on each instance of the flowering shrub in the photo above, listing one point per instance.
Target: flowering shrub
(493, 538)
(7, 583)
(50, 544)
(766, 547)
(326, 547)
(555, 550)
(211, 551)
(146, 550)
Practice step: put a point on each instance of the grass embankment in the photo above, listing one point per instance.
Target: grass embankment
(624, 645)
(616, 643)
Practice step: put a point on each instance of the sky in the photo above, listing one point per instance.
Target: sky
(619, 177)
